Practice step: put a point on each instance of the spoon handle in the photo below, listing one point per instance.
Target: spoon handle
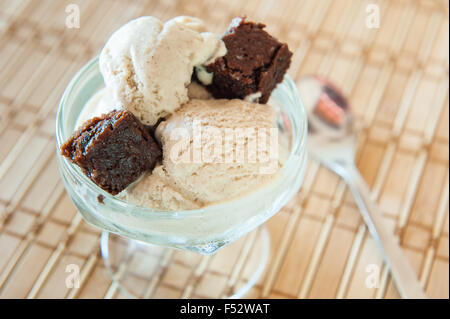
(402, 272)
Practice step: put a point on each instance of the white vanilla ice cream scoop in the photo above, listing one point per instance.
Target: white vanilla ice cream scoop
(147, 65)
(214, 151)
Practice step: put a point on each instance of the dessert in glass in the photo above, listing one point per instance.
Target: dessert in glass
(177, 138)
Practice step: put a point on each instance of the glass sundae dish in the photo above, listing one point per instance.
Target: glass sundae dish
(204, 229)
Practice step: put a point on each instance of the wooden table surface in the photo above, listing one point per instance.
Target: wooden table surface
(398, 82)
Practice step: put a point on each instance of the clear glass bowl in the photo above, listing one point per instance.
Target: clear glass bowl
(202, 230)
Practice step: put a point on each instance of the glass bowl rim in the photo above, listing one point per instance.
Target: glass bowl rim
(298, 145)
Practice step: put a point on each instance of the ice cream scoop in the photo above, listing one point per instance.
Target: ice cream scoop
(147, 65)
(214, 151)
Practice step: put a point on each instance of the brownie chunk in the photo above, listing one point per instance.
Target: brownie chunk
(113, 150)
(255, 62)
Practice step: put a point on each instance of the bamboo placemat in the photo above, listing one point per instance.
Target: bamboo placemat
(397, 80)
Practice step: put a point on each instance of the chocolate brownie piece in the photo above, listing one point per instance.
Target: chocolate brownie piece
(255, 62)
(113, 150)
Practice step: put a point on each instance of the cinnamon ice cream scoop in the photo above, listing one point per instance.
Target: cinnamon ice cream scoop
(147, 65)
(213, 151)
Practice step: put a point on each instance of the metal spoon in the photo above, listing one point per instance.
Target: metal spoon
(331, 141)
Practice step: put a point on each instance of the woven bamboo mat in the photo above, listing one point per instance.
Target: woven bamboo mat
(397, 80)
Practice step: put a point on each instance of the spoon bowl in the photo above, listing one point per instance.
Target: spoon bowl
(331, 132)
